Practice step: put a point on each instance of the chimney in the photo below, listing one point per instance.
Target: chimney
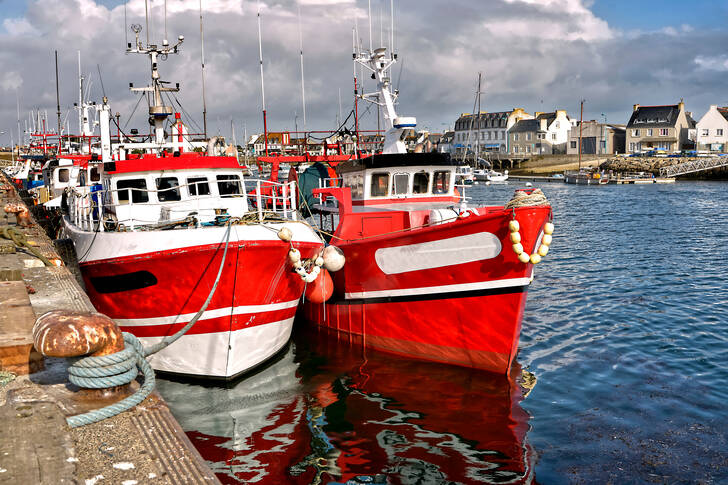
(635, 107)
(543, 124)
(681, 105)
(536, 114)
(560, 112)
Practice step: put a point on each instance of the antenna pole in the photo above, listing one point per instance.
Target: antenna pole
(58, 99)
(262, 83)
(581, 124)
(370, 25)
(146, 18)
(391, 9)
(165, 20)
(202, 59)
(477, 138)
(17, 100)
(126, 34)
(303, 89)
(80, 96)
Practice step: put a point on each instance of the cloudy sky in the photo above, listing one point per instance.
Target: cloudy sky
(536, 54)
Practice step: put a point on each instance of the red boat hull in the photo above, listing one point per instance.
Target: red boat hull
(467, 313)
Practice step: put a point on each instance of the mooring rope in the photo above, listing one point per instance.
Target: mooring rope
(17, 237)
(523, 198)
(120, 368)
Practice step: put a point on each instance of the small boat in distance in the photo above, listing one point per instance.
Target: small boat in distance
(497, 177)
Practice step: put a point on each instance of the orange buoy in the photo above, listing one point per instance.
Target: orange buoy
(321, 289)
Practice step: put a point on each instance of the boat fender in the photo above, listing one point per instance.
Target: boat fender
(321, 288)
(285, 234)
(543, 249)
(111, 223)
(294, 256)
(333, 258)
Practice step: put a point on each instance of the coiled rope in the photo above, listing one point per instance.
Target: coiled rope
(522, 198)
(122, 367)
(9, 232)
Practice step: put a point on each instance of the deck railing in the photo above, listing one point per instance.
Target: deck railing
(93, 210)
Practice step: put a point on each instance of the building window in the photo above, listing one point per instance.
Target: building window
(528, 136)
(553, 136)
(719, 132)
(380, 185)
(705, 132)
(649, 132)
(573, 144)
(663, 131)
(503, 135)
(515, 137)
(528, 148)
(635, 132)
(631, 147)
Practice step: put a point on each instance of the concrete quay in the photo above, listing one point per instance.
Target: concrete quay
(144, 445)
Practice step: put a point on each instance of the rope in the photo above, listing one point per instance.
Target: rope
(9, 232)
(120, 368)
(6, 377)
(524, 199)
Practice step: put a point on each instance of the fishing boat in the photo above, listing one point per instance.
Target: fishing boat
(426, 276)
(497, 177)
(169, 236)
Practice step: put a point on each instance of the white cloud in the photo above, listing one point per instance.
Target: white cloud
(18, 27)
(11, 80)
(714, 63)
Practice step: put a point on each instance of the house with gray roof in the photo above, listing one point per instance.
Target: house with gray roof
(487, 131)
(664, 127)
(546, 134)
(712, 130)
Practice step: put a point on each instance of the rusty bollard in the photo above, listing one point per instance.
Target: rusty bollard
(66, 333)
(22, 215)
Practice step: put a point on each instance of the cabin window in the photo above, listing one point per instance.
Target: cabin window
(63, 174)
(380, 185)
(420, 181)
(168, 189)
(401, 184)
(357, 186)
(95, 174)
(198, 186)
(228, 185)
(137, 187)
(441, 183)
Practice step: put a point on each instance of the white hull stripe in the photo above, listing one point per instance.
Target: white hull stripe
(428, 290)
(218, 312)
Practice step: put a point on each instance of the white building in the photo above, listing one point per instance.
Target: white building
(486, 132)
(712, 130)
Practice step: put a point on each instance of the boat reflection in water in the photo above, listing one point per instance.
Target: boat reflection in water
(326, 411)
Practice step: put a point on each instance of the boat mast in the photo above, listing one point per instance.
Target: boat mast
(380, 64)
(581, 124)
(262, 83)
(158, 112)
(58, 106)
(477, 126)
(202, 59)
(303, 89)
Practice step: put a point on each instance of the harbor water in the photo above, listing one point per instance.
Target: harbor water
(621, 376)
